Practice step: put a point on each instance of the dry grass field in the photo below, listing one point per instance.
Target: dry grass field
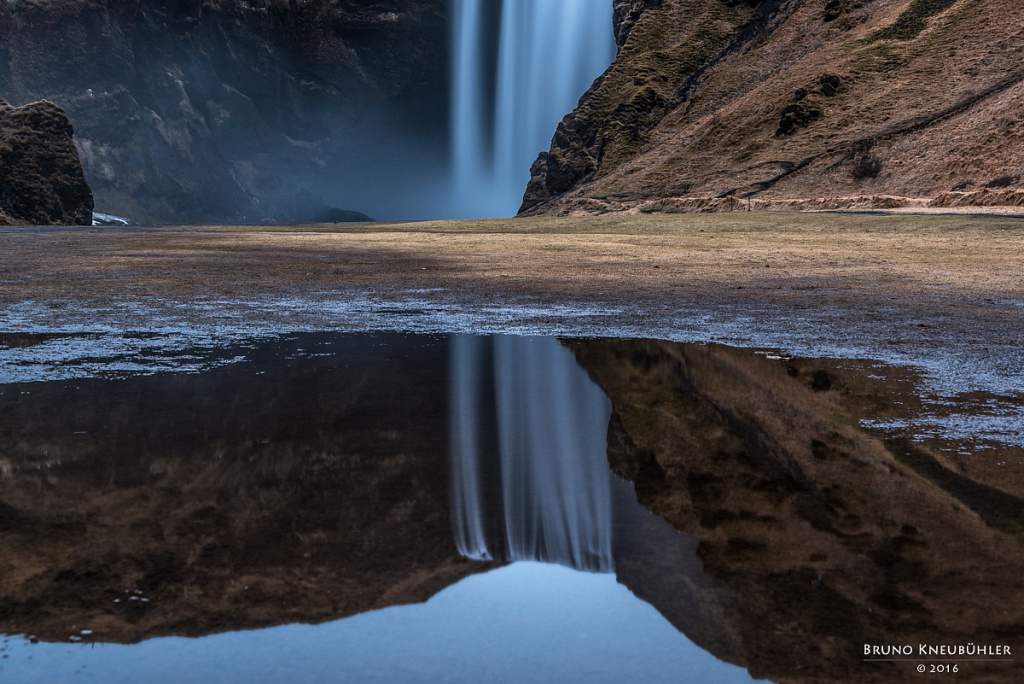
(798, 257)
(936, 291)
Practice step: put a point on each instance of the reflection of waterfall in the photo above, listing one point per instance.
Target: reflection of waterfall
(519, 66)
(529, 475)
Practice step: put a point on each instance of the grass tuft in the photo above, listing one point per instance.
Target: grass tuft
(837, 8)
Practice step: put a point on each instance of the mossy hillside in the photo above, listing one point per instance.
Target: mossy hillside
(805, 108)
(719, 132)
(666, 47)
(657, 59)
(887, 85)
(898, 81)
(836, 8)
(799, 115)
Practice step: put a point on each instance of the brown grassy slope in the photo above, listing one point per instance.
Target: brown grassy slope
(917, 114)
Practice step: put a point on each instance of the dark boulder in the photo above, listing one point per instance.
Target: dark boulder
(41, 178)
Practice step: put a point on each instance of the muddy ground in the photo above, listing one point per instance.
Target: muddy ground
(941, 292)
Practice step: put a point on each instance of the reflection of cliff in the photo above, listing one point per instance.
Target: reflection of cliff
(269, 491)
(815, 537)
(310, 482)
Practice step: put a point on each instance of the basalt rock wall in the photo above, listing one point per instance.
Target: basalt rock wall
(221, 110)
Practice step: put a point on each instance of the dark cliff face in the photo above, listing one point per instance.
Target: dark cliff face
(41, 180)
(770, 100)
(193, 111)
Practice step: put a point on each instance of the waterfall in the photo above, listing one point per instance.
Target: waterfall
(518, 67)
(529, 475)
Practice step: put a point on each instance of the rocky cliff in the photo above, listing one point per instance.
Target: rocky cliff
(765, 100)
(222, 110)
(41, 180)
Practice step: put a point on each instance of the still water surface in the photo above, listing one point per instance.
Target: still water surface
(525, 622)
(411, 508)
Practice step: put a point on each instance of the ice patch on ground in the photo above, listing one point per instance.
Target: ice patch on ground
(949, 364)
(1005, 428)
(79, 354)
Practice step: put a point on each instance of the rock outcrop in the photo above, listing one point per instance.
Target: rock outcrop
(794, 100)
(625, 14)
(219, 110)
(41, 179)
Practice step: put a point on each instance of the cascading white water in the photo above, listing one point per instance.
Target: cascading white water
(519, 66)
(530, 479)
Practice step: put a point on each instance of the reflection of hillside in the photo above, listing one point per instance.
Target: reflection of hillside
(310, 482)
(815, 537)
(269, 491)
